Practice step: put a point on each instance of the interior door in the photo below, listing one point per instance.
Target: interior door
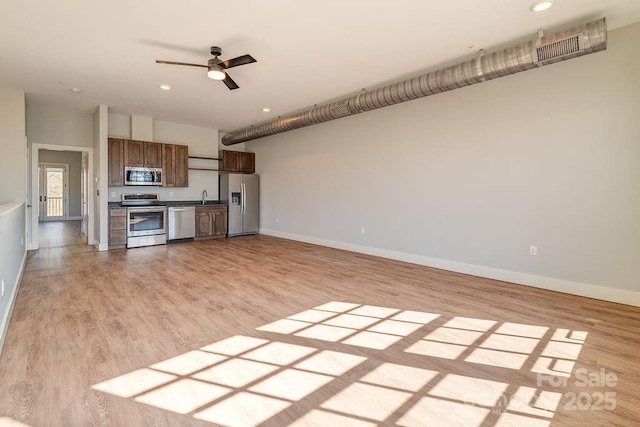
(53, 192)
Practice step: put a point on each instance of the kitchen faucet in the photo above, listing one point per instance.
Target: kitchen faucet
(204, 196)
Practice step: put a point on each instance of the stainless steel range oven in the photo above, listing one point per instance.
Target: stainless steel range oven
(146, 220)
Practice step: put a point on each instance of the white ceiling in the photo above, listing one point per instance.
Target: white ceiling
(307, 52)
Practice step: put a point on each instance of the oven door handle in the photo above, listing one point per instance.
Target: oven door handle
(150, 209)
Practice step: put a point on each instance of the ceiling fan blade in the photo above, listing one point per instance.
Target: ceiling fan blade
(180, 63)
(240, 60)
(229, 82)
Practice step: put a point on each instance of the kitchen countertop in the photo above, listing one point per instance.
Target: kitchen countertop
(170, 203)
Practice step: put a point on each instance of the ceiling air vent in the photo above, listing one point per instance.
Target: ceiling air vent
(340, 109)
(559, 49)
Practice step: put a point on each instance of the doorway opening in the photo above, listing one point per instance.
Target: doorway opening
(60, 194)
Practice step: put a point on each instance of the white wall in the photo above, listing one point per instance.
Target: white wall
(13, 193)
(468, 180)
(59, 126)
(100, 170)
(12, 258)
(13, 148)
(74, 160)
(201, 141)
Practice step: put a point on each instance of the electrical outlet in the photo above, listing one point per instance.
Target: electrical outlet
(277, 220)
(533, 250)
(22, 241)
(170, 193)
(361, 230)
(113, 194)
(2, 292)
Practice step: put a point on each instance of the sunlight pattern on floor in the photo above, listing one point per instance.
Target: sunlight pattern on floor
(246, 381)
(10, 422)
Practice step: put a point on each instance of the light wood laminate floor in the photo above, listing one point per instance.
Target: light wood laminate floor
(263, 331)
(58, 234)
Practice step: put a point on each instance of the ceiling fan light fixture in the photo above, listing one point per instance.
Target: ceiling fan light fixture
(216, 72)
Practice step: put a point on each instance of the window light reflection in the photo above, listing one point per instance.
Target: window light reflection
(367, 401)
(245, 381)
(242, 410)
(183, 396)
(133, 383)
(316, 418)
(443, 413)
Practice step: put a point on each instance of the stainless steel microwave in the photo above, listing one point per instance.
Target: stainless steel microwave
(142, 176)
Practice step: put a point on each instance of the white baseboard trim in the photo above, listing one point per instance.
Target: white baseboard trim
(616, 295)
(101, 246)
(4, 327)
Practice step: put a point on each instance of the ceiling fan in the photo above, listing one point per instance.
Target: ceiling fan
(216, 67)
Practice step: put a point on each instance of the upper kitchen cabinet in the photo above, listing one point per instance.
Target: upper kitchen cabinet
(247, 162)
(229, 160)
(168, 165)
(181, 171)
(116, 162)
(238, 161)
(142, 154)
(175, 167)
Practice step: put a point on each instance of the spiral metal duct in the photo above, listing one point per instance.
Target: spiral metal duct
(577, 41)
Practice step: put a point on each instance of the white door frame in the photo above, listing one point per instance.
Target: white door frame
(33, 238)
(84, 193)
(65, 190)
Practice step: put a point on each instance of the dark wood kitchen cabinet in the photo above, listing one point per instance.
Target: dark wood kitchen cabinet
(247, 162)
(142, 154)
(211, 221)
(117, 227)
(175, 166)
(116, 162)
(181, 170)
(238, 161)
(172, 158)
(168, 165)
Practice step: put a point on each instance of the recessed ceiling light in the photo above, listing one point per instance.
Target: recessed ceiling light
(165, 87)
(75, 90)
(266, 109)
(541, 5)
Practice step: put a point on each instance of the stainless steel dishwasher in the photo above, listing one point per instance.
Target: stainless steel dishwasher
(182, 222)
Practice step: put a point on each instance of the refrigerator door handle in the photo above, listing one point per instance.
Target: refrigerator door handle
(244, 198)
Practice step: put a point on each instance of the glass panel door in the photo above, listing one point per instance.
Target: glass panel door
(52, 198)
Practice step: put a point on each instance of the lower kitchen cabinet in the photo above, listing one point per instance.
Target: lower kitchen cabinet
(211, 221)
(117, 227)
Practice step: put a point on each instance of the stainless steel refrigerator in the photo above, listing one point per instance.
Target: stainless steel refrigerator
(242, 191)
